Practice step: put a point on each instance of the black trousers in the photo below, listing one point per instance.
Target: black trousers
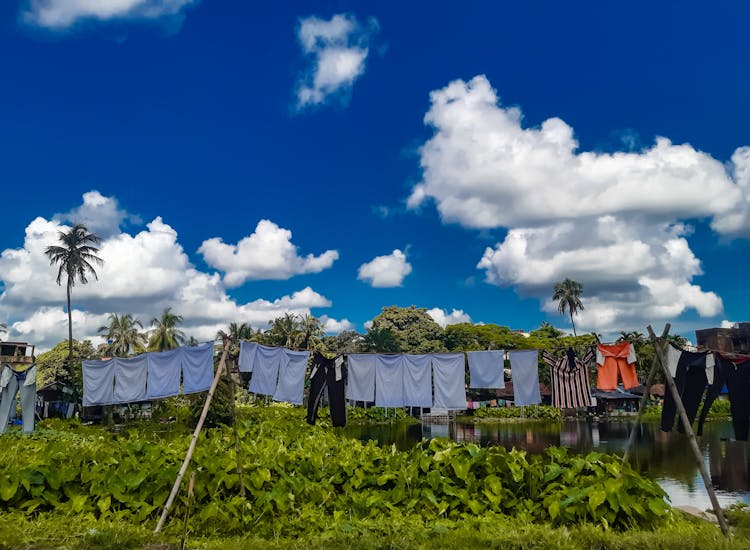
(327, 375)
(738, 384)
(690, 379)
(713, 392)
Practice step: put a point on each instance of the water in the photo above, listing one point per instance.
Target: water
(664, 457)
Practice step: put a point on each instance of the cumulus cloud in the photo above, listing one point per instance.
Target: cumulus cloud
(617, 222)
(101, 215)
(385, 271)
(337, 49)
(61, 14)
(268, 253)
(333, 326)
(443, 318)
(142, 274)
(729, 324)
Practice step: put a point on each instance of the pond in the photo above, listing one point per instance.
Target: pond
(664, 457)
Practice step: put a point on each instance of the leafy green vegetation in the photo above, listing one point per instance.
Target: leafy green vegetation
(534, 412)
(720, 410)
(299, 478)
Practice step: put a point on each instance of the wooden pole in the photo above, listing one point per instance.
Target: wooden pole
(196, 433)
(689, 432)
(644, 398)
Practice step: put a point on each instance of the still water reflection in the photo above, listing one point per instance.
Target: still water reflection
(665, 457)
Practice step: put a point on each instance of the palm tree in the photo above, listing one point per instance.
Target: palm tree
(310, 332)
(3, 328)
(568, 294)
(165, 334)
(75, 259)
(123, 334)
(284, 330)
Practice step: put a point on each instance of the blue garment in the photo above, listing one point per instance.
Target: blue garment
(197, 368)
(98, 382)
(417, 381)
(448, 376)
(163, 379)
(389, 381)
(266, 370)
(486, 369)
(130, 379)
(524, 368)
(360, 385)
(291, 384)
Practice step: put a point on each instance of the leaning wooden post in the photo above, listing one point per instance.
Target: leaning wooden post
(644, 398)
(196, 433)
(689, 432)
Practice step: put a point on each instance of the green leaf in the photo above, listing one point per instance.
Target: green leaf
(8, 487)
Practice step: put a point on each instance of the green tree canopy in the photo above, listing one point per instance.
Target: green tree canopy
(123, 335)
(52, 365)
(412, 327)
(165, 335)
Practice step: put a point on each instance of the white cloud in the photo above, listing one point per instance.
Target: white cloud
(728, 324)
(101, 215)
(332, 326)
(61, 14)
(266, 254)
(615, 222)
(142, 274)
(443, 318)
(385, 271)
(337, 49)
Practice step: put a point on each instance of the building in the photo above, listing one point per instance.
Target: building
(727, 340)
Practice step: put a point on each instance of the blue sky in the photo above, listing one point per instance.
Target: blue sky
(453, 156)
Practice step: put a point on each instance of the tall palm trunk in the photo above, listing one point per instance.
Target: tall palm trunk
(573, 323)
(70, 333)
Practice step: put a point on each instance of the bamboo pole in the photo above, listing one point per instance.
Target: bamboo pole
(644, 398)
(690, 434)
(196, 433)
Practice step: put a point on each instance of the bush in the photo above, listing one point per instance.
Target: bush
(534, 412)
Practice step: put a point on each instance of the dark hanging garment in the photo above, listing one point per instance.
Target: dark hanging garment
(692, 372)
(331, 374)
(713, 391)
(570, 379)
(736, 371)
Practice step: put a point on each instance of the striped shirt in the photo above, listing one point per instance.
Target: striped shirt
(570, 379)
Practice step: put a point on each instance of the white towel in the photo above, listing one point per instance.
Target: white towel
(360, 383)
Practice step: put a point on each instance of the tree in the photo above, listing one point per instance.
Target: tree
(75, 258)
(568, 295)
(413, 328)
(123, 335)
(546, 330)
(3, 328)
(52, 365)
(310, 332)
(165, 334)
(379, 340)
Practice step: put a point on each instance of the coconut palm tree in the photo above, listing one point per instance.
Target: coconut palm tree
(123, 334)
(75, 258)
(3, 328)
(284, 330)
(165, 334)
(310, 332)
(568, 295)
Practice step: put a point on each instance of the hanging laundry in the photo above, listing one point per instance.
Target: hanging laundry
(524, 368)
(389, 381)
(98, 382)
(163, 373)
(130, 379)
(266, 370)
(197, 368)
(292, 371)
(23, 383)
(570, 378)
(486, 369)
(360, 383)
(331, 374)
(449, 380)
(417, 381)
(736, 372)
(247, 356)
(692, 372)
(613, 359)
(712, 393)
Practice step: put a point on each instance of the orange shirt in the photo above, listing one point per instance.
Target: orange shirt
(613, 359)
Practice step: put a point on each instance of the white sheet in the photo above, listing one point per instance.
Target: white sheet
(486, 368)
(197, 368)
(448, 373)
(524, 368)
(417, 381)
(98, 382)
(360, 383)
(164, 368)
(389, 380)
(292, 369)
(130, 378)
(266, 370)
